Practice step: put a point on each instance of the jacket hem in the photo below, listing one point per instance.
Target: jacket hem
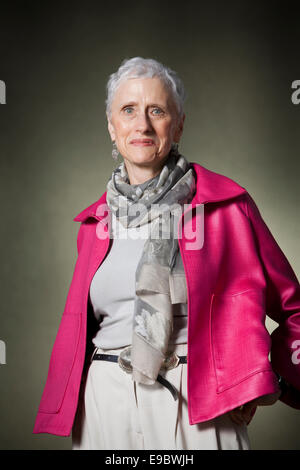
(259, 384)
(55, 430)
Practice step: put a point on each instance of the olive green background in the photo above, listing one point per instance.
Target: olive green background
(237, 62)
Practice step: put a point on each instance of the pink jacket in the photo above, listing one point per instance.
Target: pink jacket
(237, 277)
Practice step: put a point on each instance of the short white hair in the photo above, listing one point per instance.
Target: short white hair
(138, 67)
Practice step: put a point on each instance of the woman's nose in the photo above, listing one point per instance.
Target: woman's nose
(143, 123)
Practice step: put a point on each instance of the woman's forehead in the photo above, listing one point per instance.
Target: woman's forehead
(141, 87)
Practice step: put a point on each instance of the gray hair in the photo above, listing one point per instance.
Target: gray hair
(138, 67)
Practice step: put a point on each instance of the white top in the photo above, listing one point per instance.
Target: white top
(112, 290)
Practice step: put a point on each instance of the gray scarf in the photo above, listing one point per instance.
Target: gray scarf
(160, 278)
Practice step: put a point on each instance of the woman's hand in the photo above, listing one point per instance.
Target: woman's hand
(243, 414)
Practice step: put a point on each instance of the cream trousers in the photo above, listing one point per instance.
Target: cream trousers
(116, 413)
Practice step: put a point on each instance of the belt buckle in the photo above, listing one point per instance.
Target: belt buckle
(123, 363)
(171, 362)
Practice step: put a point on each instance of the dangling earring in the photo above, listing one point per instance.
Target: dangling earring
(115, 151)
(175, 148)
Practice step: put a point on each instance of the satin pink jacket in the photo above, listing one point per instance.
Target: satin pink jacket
(234, 280)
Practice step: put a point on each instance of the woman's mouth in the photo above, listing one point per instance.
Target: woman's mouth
(142, 142)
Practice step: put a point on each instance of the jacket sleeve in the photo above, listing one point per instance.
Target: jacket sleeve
(282, 305)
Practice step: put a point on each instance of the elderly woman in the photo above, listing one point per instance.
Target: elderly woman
(162, 342)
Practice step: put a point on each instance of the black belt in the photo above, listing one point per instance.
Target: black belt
(160, 379)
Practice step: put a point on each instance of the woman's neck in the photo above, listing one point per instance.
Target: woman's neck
(140, 174)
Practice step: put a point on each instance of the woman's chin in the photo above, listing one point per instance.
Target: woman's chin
(143, 157)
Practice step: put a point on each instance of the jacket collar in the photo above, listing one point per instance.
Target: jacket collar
(211, 187)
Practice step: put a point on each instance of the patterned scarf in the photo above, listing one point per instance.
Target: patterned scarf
(160, 278)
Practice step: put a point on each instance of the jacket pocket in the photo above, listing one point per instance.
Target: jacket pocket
(61, 363)
(240, 342)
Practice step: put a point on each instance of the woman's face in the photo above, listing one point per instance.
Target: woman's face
(144, 121)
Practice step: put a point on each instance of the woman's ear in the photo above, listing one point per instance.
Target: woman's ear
(179, 129)
(111, 129)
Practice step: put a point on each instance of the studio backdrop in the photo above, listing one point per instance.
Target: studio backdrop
(240, 66)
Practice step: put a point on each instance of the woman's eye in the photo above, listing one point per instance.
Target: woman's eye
(128, 110)
(157, 111)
